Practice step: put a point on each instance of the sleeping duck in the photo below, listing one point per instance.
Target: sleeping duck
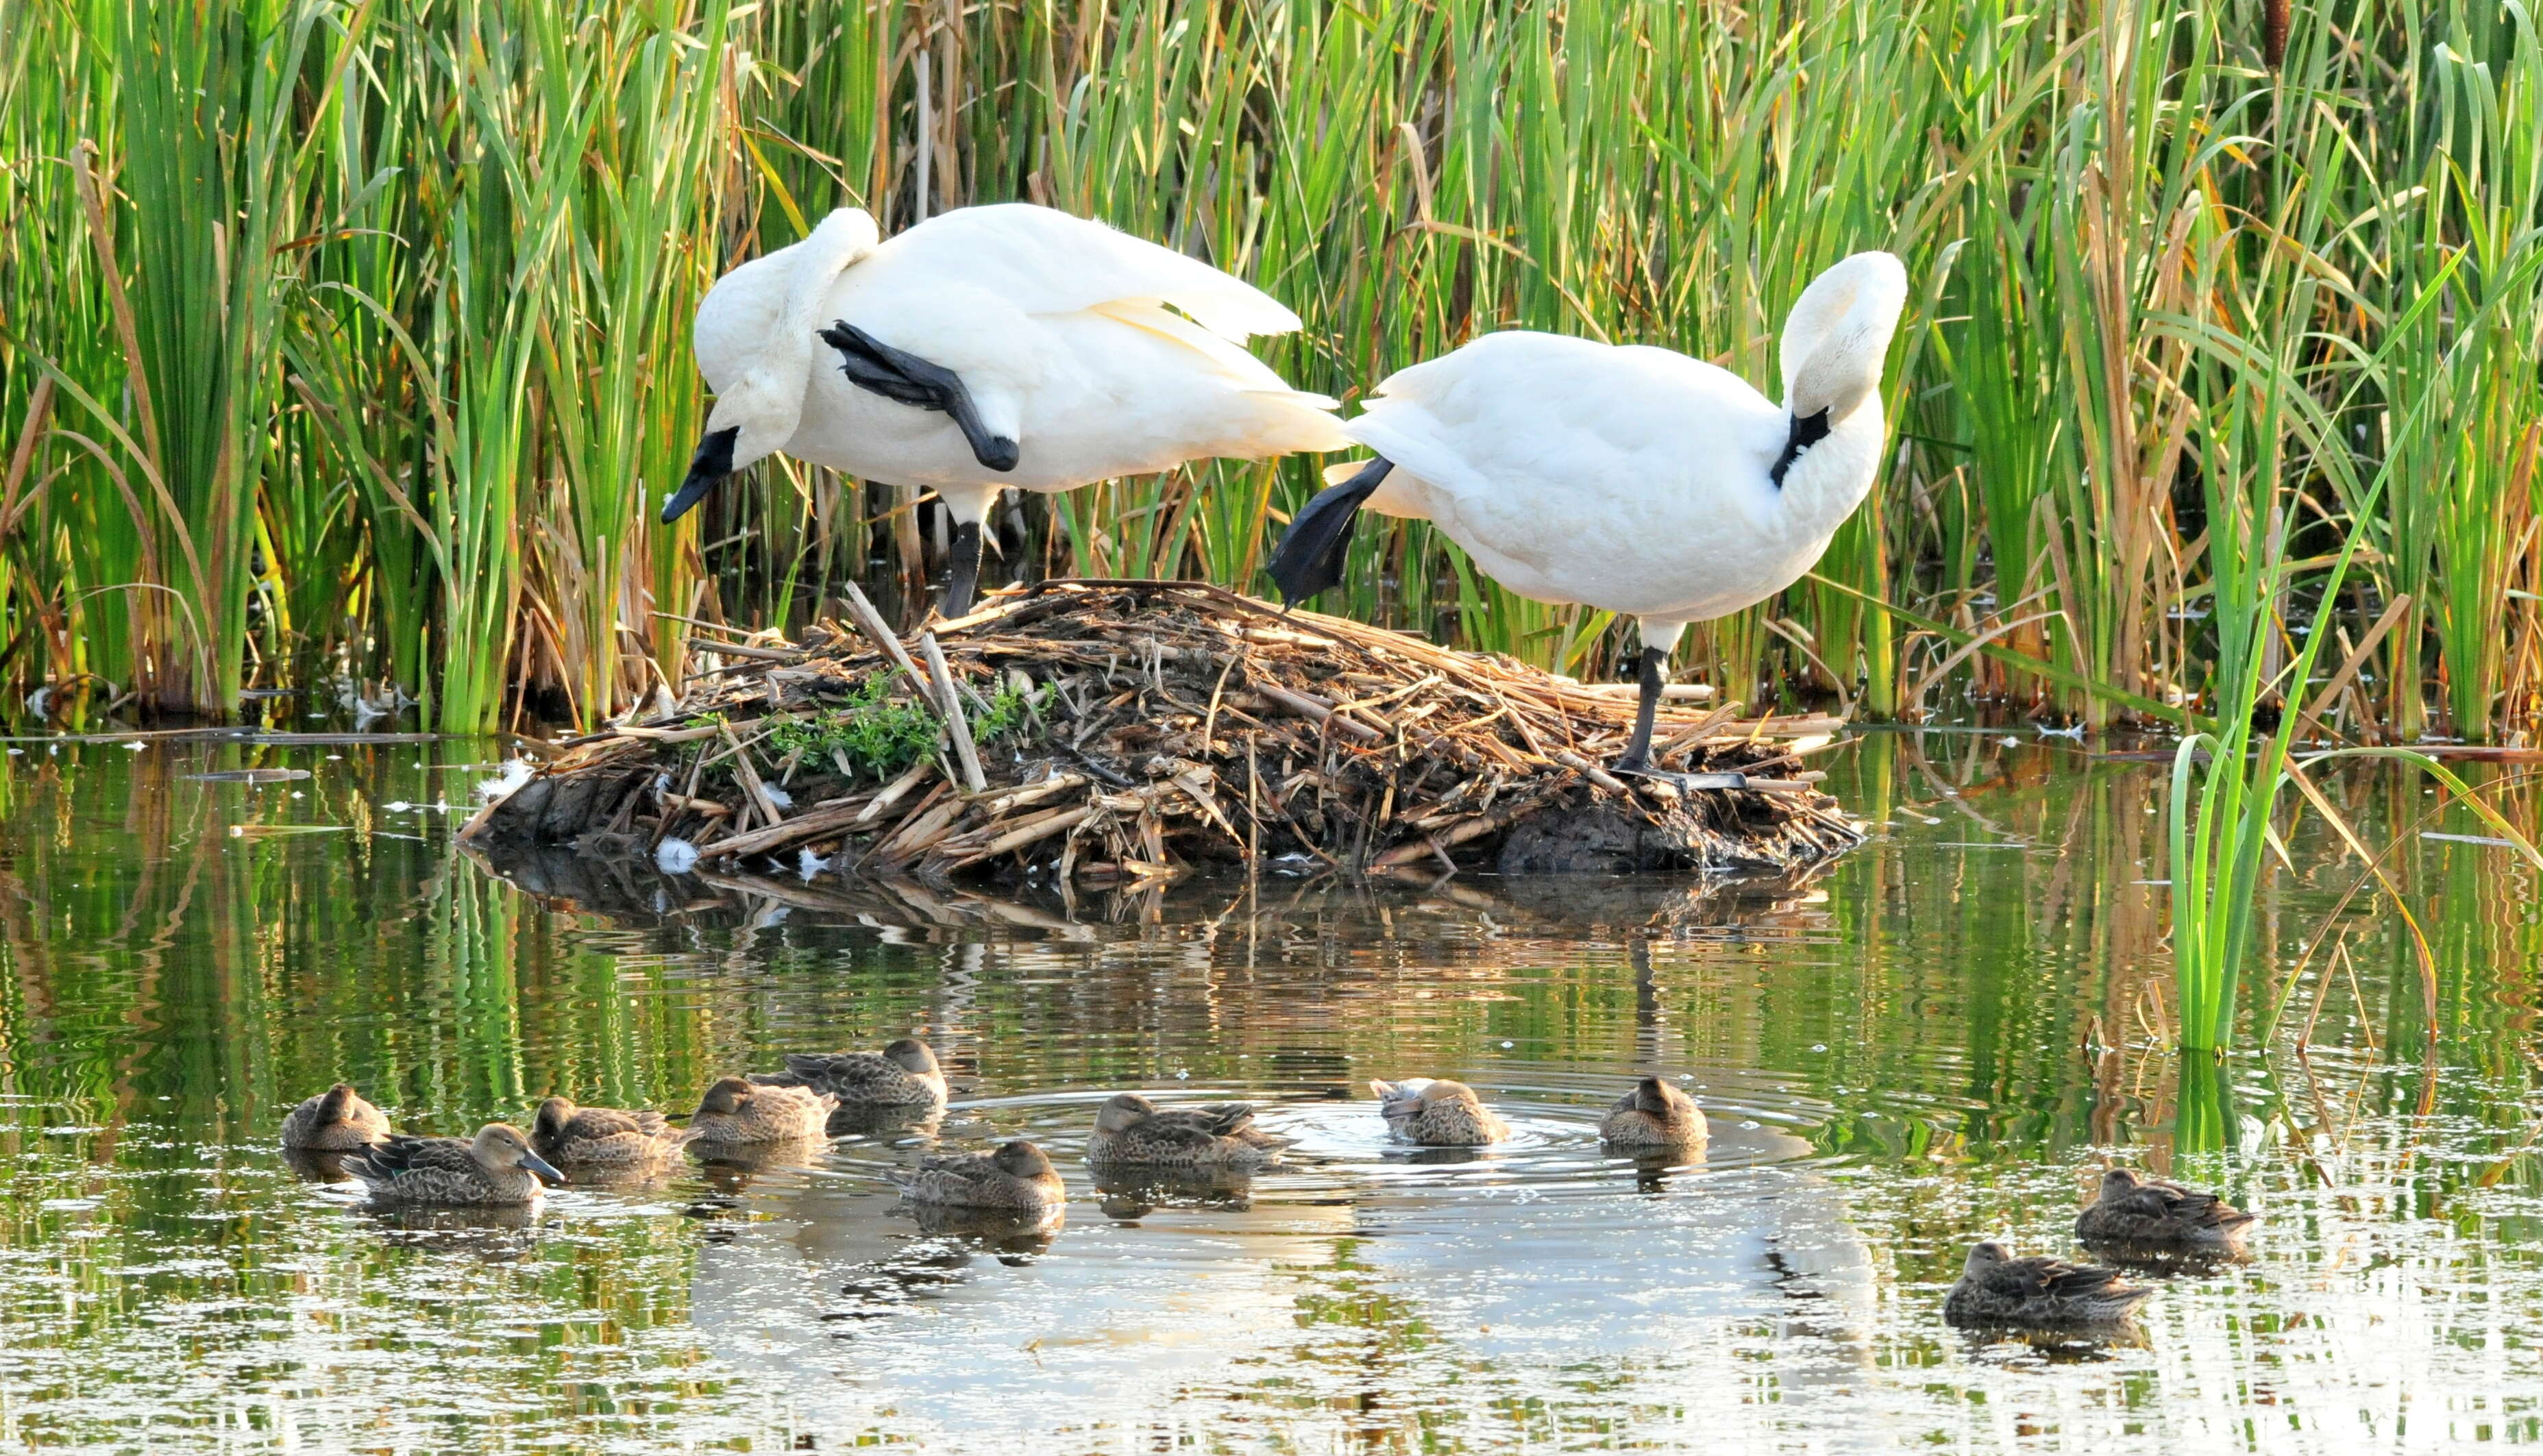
(1131, 1130)
(1437, 1114)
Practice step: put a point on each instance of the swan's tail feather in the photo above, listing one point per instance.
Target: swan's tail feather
(1313, 552)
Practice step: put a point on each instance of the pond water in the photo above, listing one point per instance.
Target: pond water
(1944, 1036)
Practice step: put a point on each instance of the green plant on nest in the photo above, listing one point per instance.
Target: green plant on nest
(879, 735)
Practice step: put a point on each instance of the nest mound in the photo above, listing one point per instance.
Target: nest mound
(1102, 732)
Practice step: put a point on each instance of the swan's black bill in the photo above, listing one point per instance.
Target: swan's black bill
(711, 463)
(1311, 554)
(905, 378)
(964, 573)
(1807, 430)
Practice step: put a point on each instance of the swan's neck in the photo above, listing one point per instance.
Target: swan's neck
(1826, 481)
(841, 242)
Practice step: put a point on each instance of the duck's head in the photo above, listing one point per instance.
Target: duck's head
(1654, 1094)
(725, 1097)
(552, 1114)
(1125, 1112)
(500, 1145)
(336, 1102)
(1444, 1091)
(1837, 336)
(2118, 1183)
(1022, 1159)
(911, 1054)
(1985, 1258)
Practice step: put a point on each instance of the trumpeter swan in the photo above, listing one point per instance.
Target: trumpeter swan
(1635, 479)
(989, 348)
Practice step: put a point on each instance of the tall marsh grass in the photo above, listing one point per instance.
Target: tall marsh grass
(350, 339)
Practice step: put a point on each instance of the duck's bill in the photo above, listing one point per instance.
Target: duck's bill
(543, 1167)
(707, 469)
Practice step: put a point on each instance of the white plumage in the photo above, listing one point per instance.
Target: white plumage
(1632, 479)
(1079, 352)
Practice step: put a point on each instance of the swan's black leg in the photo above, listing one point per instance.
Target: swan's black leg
(1651, 673)
(963, 574)
(1638, 754)
(872, 364)
(1311, 554)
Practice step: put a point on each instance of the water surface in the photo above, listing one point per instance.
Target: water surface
(1945, 1037)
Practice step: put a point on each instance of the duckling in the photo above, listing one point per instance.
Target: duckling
(1654, 1115)
(1437, 1114)
(1016, 1176)
(335, 1121)
(901, 1075)
(1997, 1289)
(1131, 1130)
(735, 1110)
(604, 1137)
(495, 1167)
(2141, 1212)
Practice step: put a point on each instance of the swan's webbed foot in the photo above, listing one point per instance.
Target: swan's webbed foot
(905, 378)
(1683, 783)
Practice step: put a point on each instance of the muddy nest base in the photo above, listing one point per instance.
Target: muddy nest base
(1101, 731)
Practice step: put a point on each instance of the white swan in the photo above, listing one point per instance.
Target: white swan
(989, 348)
(1635, 479)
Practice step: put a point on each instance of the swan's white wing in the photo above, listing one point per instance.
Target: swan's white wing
(1045, 262)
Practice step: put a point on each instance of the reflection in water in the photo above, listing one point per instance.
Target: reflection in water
(1944, 1036)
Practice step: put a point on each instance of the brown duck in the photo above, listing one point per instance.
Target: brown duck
(1997, 1289)
(1437, 1114)
(335, 1121)
(493, 1168)
(901, 1075)
(1654, 1115)
(737, 1111)
(1131, 1130)
(2150, 1213)
(1017, 1176)
(604, 1139)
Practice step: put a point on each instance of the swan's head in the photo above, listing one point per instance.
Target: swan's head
(1837, 336)
(750, 422)
(772, 306)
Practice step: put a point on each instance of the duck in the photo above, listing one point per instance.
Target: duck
(495, 1169)
(1630, 478)
(988, 349)
(736, 1111)
(1997, 1289)
(904, 1074)
(1017, 1176)
(604, 1138)
(336, 1121)
(1654, 1115)
(2136, 1211)
(1437, 1113)
(1130, 1130)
